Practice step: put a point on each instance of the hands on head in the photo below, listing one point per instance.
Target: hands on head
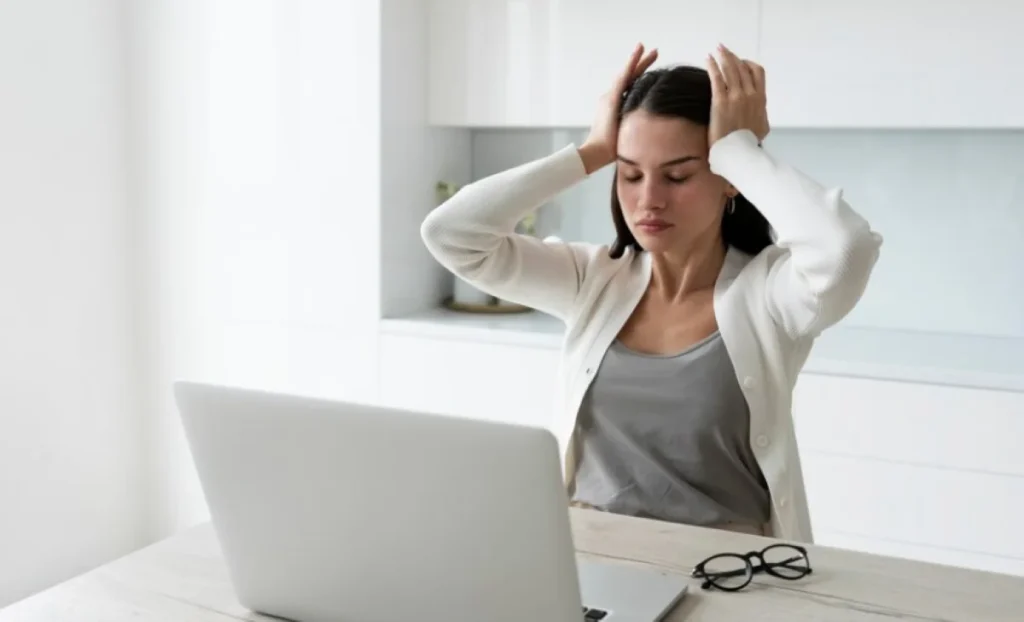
(737, 96)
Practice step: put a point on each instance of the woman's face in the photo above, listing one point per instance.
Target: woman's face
(669, 196)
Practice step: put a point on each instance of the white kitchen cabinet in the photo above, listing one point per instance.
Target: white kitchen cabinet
(893, 63)
(545, 63)
(920, 470)
(469, 378)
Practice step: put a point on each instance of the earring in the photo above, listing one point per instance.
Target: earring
(730, 206)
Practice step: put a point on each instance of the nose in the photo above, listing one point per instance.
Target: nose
(652, 195)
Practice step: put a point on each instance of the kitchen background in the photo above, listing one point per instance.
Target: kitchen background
(232, 191)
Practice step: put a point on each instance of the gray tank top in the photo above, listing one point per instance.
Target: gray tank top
(667, 437)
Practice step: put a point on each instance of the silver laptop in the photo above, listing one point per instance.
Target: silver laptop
(329, 511)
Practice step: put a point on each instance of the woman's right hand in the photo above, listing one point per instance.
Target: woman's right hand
(600, 147)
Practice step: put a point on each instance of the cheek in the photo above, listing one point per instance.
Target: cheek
(629, 197)
(696, 199)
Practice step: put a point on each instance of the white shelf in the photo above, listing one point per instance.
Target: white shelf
(935, 358)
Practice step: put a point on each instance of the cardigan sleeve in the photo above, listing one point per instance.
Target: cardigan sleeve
(472, 234)
(829, 250)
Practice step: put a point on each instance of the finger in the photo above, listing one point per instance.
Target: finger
(625, 78)
(717, 79)
(634, 58)
(731, 69)
(757, 71)
(746, 78)
(746, 75)
(645, 63)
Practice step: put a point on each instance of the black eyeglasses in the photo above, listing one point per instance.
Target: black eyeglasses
(732, 571)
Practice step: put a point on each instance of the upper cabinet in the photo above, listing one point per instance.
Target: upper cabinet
(893, 63)
(868, 64)
(545, 63)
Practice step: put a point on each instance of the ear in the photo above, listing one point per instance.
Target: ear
(731, 191)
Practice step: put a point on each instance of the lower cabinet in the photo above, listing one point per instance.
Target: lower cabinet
(912, 470)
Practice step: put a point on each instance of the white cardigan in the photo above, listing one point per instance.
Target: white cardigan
(769, 307)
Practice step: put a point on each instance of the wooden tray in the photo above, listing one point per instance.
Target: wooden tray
(497, 309)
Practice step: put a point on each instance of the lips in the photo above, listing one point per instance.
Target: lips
(653, 225)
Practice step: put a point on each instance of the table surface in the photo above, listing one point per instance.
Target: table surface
(183, 578)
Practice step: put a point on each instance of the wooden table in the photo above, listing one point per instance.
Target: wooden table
(184, 579)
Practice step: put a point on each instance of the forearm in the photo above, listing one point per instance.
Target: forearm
(830, 249)
(473, 234)
(495, 204)
(799, 209)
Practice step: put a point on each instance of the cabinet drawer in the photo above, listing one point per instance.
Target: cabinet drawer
(903, 504)
(930, 425)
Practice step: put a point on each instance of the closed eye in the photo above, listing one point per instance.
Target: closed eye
(675, 179)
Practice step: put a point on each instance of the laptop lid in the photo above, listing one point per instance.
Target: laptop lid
(329, 510)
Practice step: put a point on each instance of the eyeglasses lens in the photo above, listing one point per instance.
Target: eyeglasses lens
(786, 561)
(727, 571)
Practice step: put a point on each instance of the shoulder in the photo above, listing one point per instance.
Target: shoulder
(605, 282)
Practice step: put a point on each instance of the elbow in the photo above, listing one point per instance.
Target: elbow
(429, 228)
(848, 245)
(455, 248)
(432, 234)
(859, 251)
(844, 280)
(850, 238)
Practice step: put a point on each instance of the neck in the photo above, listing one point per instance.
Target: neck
(678, 273)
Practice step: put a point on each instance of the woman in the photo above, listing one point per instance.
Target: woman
(685, 337)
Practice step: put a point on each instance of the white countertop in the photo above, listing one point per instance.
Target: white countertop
(947, 359)
(529, 329)
(185, 578)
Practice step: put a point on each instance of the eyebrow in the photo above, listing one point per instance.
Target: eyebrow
(663, 164)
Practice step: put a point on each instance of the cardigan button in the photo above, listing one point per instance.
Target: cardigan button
(762, 441)
(749, 382)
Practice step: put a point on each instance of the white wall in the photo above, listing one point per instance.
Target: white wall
(259, 126)
(70, 453)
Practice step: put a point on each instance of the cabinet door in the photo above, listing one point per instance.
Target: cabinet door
(479, 60)
(546, 62)
(470, 379)
(918, 470)
(893, 63)
(594, 39)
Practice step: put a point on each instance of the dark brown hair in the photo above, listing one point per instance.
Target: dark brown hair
(684, 92)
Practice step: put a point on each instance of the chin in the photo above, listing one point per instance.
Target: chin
(655, 243)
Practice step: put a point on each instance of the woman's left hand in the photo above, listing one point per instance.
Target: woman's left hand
(738, 100)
